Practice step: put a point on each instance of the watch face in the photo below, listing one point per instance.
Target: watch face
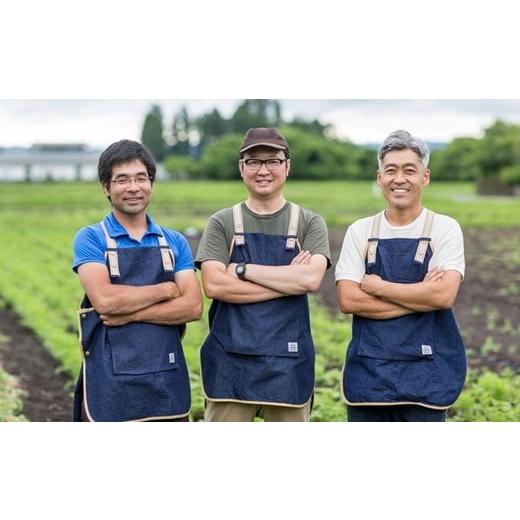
(240, 270)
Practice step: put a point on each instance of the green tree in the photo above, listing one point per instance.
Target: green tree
(458, 161)
(181, 127)
(256, 113)
(211, 127)
(152, 133)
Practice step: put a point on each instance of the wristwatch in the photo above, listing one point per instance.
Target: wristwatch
(240, 270)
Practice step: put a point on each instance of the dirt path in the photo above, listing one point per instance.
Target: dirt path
(47, 394)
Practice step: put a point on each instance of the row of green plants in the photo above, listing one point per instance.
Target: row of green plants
(38, 226)
(11, 404)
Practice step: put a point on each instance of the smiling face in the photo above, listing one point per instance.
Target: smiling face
(402, 177)
(264, 182)
(130, 198)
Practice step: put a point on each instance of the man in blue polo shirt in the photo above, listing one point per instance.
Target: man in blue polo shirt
(140, 291)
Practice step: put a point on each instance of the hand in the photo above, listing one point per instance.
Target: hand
(371, 283)
(231, 270)
(435, 275)
(303, 258)
(174, 290)
(115, 320)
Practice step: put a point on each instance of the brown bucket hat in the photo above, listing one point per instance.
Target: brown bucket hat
(263, 137)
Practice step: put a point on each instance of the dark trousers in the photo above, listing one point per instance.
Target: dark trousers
(398, 413)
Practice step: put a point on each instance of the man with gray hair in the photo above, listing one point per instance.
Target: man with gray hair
(398, 274)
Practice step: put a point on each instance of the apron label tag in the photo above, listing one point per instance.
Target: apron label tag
(426, 350)
(292, 347)
(172, 357)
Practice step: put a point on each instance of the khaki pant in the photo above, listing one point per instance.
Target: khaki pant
(244, 412)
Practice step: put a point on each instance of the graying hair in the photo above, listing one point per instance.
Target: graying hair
(403, 140)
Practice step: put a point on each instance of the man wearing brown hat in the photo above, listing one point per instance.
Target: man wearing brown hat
(259, 259)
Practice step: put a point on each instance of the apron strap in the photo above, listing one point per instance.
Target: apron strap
(168, 260)
(425, 238)
(238, 223)
(111, 253)
(292, 231)
(374, 239)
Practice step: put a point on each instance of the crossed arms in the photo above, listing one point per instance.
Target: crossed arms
(263, 282)
(168, 303)
(378, 299)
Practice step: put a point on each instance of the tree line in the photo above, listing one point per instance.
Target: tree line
(207, 147)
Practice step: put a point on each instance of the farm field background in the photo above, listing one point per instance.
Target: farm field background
(38, 223)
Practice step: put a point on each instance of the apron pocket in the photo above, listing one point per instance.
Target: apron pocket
(409, 338)
(143, 348)
(259, 329)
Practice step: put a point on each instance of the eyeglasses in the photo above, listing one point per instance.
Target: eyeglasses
(272, 164)
(140, 180)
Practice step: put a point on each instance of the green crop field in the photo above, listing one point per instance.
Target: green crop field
(38, 223)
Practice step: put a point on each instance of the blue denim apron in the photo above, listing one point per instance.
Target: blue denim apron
(415, 359)
(136, 371)
(260, 352)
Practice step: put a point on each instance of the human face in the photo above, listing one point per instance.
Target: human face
(402, 177)
(264, 183)
(129, 199)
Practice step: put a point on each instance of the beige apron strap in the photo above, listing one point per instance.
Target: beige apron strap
(111, 254)
(168, 260)
(238, 222)
(374, 239)
(425, 238)
(292, 231)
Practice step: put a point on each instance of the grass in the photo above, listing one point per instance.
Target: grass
(38, 223)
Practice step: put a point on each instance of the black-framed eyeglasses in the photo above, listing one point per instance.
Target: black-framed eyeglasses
(140, 180)
(256, 164)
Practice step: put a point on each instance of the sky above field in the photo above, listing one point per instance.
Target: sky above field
(98, 122)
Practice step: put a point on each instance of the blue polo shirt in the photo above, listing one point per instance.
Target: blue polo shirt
(90, 244)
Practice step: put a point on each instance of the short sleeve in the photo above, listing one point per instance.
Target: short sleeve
(184, 259)
(88, 247)
(213, 244)
(448, 248)
(316, 239)
(351, 262)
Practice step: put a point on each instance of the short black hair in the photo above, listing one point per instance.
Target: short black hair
(122, 152)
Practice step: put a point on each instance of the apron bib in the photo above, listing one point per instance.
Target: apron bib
(135, 371)
(414, 359)
(260, 352)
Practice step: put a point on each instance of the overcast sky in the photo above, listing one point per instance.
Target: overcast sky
(100, 122)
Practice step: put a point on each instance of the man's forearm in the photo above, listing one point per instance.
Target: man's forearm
(287, 279)
(126, 299)
(420, 297)
(230, 289)
(174, 312)
(368, 306)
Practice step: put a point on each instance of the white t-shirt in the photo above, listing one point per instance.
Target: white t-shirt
(447, 244)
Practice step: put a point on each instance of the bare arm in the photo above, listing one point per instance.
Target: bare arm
(219, 284)
(187, 307)
(108, 298)
(352, 300)
(297, 278)
(433, 293)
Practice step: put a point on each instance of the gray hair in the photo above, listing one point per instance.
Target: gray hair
(403, 140)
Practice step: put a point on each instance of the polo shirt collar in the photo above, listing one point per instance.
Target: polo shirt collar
(116, 230)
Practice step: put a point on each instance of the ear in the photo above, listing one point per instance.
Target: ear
(241, 167)
(106, 189)
(426, 177)
(288, 166)
(378, 179)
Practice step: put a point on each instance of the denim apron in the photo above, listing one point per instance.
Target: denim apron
(135, 371)
(414, 359)
(260, 352)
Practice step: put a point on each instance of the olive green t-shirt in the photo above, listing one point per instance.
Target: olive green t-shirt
(216, 240)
